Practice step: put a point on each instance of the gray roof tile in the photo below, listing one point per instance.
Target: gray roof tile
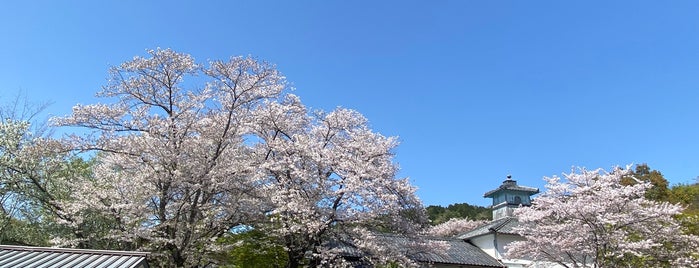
(460, 252)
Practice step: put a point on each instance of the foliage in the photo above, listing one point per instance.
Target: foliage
(35, 176)
(438, 214)
(186, 152)
(658, 191)
(686, 195)
(593, 219)
(252, 248)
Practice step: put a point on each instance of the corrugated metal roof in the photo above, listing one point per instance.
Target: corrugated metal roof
(42, 257)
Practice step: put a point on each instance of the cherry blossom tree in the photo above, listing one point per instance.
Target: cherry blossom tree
(329, 178)
(454, 227)
(172, 166)
(187, 152)
(591, 219)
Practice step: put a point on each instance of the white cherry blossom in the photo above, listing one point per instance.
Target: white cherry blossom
(589, 219)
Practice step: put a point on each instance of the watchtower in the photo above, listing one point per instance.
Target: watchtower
(509, 196)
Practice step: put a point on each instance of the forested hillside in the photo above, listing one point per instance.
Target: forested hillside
(438, 214)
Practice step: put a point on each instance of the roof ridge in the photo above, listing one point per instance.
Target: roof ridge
(501, 224)
(419, 236)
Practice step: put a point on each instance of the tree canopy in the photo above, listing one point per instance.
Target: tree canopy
(592, 218)
(185, 152)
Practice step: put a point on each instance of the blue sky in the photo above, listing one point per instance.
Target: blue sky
(475, 90)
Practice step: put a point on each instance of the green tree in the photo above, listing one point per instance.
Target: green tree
(438, 214)
(37, 175)
(687, 195)
(252, 248)
(659, 190)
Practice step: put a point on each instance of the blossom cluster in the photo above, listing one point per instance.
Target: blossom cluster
(187, 151)
(589, 218)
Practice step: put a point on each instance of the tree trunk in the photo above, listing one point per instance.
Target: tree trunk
(293, 262)
(295, 259)
(177, 257)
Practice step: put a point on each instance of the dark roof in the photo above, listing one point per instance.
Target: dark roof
(511, 185)
(20, 256)
(460, 252)
(502, 226)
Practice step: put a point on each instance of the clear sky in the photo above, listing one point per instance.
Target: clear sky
(475, 90)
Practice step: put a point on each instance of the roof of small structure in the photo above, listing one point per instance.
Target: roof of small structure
(502, 226)
(460, 252)
(21, 256)
(511, 185)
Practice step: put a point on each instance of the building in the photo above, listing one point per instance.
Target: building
(493, 237)
(509, 196)
(459, 253)
(483, 246)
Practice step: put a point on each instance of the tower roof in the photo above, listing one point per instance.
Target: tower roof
(511, 185)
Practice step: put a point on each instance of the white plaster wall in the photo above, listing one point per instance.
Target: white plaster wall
(485, 243)
(504, 240)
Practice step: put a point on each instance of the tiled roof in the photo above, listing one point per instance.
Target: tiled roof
(41, 257)
(460, 252)
(502, 226)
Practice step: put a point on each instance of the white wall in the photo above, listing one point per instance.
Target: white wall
(485, 243)
(504, 240)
